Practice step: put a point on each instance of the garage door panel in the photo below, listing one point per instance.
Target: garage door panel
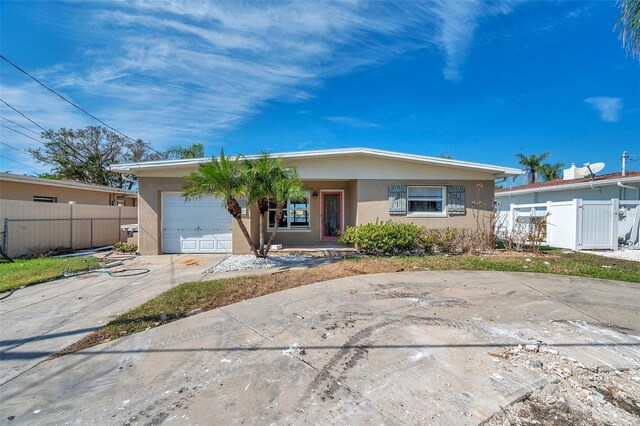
(196, 226)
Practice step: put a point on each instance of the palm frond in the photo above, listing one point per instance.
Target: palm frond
(629, 25)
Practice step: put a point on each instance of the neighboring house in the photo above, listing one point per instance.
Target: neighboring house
(602, 212)
(29, 188)
(345, 187)
(602, 187)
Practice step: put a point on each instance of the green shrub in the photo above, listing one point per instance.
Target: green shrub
(390, 238)
(125, 247)
(385, 238)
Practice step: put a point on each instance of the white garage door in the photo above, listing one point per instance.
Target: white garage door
(196, 226)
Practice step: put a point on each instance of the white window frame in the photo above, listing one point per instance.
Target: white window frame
(289, 228)
(443, 213)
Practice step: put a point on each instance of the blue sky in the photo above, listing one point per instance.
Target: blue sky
(478, 81)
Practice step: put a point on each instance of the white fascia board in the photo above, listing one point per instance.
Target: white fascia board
(570, 186)
(9, 177)
(497, 170)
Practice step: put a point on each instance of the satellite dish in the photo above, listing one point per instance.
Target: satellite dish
(589, 169)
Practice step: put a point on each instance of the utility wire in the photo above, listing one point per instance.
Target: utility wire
(20, 125)
(26, 165)
(65, 99)
(13, 147)
(4, 58)
(20, 133)
(7, 104)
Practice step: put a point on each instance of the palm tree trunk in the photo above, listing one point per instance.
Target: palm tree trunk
(247, 236)
(262, 234)
(234, 208)
(279, 211)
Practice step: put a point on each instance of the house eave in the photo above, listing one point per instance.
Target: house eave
(497, 171)
(570, 186)
(9, 177)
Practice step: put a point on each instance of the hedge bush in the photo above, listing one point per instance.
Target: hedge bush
(391, 238)
(385, 238)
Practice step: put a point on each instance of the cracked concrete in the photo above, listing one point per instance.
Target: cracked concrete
(45, 318)
(402, 348)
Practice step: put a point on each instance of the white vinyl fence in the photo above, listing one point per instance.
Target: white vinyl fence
(31, 228)
(579, 224)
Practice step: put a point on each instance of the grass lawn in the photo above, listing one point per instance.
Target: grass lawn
(206, 295)
(31, 271)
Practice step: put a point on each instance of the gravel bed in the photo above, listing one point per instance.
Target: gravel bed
(248, 261)
(620, 254)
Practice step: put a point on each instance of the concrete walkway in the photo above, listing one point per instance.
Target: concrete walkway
(404, 348)
(50, 316)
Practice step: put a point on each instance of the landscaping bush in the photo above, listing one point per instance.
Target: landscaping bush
(385, 238)
(448, 241)
(125, 247)
(390, 238)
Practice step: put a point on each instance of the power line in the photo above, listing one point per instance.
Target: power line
(62, 97)
(20, 125)
(13, 147)
(20, 133)
(4, 58)
(26, 165)
(7, 104)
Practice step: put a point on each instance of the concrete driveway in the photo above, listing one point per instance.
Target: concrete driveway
(404, 348)
(50, 316)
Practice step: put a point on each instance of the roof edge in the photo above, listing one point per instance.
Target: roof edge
(587, 184)
(503, 171)
(11, 177)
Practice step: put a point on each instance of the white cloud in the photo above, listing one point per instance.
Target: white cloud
(175, 72)
(609, 108)
(353, 122)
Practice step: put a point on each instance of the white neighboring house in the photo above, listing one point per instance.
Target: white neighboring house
(587, 212)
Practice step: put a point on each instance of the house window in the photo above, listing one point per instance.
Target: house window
(294, 216)
(41, 199)
(426, 200)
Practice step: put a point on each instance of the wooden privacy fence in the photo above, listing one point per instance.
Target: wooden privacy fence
(30, 228)
(579, 224)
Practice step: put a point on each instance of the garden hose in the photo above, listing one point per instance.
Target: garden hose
(122, 273)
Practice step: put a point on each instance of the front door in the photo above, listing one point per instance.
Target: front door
(331, 203)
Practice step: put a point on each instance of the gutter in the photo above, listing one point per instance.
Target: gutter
(577, 185)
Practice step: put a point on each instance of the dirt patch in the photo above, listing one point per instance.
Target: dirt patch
(189, 261)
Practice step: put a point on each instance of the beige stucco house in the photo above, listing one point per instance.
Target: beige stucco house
(30, 188)
(345, 187)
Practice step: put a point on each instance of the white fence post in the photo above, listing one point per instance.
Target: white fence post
(577, 205)
(512, 218)
(615, 207)
(549, 224)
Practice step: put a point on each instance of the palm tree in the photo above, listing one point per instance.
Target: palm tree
(195, 150)
(532, 164)
(263, 174)
(221, 177)
(288, 187)
(551, 171)
(630, 22)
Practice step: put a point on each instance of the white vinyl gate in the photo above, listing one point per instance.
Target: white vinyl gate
(581, 224)
(195, 226)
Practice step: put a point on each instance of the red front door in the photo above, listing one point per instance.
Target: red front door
(331, 214)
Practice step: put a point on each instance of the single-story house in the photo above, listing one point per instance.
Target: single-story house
(594, 212)
(30, 188)
(601, 187)
(345, 187)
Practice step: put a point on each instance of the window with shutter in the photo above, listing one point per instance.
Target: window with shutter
(455, 198)
(397, 199)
